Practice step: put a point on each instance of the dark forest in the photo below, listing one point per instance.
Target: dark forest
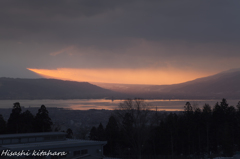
(135, 131)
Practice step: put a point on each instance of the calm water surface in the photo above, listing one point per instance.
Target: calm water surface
(85, 104)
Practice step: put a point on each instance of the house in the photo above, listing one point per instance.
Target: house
(48, 145)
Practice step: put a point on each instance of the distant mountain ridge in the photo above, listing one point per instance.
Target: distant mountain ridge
(16, 88)
(225, 84)
(222, 85)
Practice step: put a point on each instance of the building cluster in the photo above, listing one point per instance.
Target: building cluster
(48, 145)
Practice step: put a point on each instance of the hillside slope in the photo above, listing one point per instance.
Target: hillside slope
(225, 84)
(222, 85)
(11, 88)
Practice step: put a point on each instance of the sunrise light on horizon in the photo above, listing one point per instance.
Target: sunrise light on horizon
(121, 76)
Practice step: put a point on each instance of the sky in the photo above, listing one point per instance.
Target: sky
(124, 41)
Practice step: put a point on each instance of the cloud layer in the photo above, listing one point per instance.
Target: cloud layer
(201, 36)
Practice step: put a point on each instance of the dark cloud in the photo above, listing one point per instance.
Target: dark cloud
(124, 33)
(73, 21)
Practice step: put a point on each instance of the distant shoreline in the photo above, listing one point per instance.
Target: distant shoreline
(86, 104)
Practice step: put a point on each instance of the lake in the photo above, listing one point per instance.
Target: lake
(85, 104)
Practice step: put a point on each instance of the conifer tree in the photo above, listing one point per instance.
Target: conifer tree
(27, 121)
(13, 125)
(112, 135)
(93, 133)
(207, 120)
(42, 121)
(101, 133)
(2, 125)
(69, 133)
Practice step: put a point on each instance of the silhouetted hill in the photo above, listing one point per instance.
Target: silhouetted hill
(11, 88)
(225, 84)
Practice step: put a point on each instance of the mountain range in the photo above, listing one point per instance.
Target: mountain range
(222, 85)
(15, 88)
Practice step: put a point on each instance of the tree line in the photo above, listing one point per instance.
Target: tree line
(26, 122)
(134, 131)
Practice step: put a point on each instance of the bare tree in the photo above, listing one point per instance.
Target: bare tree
(134, 121)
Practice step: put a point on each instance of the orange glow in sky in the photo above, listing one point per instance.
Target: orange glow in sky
(123, 76)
